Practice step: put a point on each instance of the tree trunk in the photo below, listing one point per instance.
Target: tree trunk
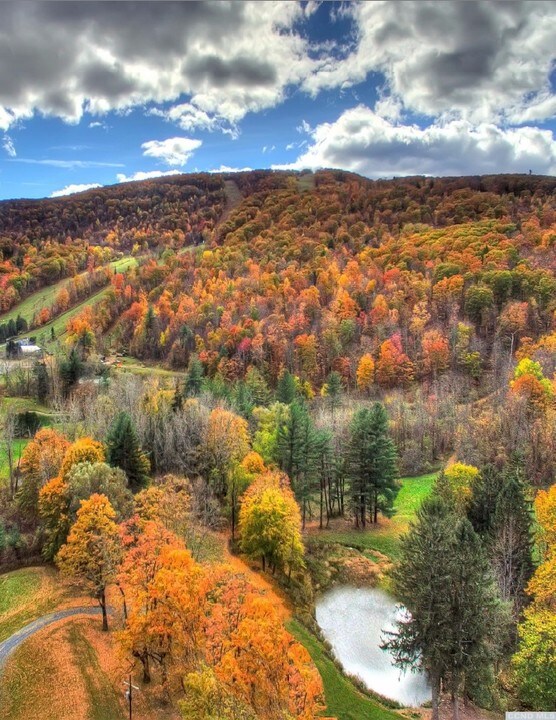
(102, 601)
(435, 692)
(146, 669)
(455, 707)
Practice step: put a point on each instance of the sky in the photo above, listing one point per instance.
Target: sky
(96, 93)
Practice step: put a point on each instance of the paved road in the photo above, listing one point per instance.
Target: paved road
(15, 640)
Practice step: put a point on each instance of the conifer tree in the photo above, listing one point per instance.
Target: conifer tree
(286, 390)
(194, 379)
(371, 465)
(124, 451)
(41, 375)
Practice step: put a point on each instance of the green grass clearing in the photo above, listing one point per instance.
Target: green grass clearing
(343, 700)
(18, 446)
(44, 297)
(386, 537)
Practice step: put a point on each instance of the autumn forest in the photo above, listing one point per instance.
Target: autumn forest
(222, 396)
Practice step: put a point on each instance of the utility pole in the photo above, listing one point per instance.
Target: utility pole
(129, 695)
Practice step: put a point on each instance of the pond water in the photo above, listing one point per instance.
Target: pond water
(353, 620)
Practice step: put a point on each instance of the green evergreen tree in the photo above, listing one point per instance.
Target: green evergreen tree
(43, 382)
(286, 390)
(456, 625)
(258, 387)
(242, 400)
(21, 324)
(334, 389)
(124, 451)
(71, 369)
(298, 452)
(194, 378)
(371, 465)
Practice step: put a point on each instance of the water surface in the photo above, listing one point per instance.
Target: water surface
(353, 620)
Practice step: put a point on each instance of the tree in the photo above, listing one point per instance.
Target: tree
(84, 449)
(71, 369)
(393, 366)
(54, 503)
(270, 523)
(286, 389)
(164, 605)
(41, 461)
(298, 453)
(365, 373)
(42, 379)
(454, 626)
(194, 378)
(124, 451)
(533, 664)
(511, 548)
(455, 484)
(90, 478)
(226, 444)
(370, 465)
(93, 551)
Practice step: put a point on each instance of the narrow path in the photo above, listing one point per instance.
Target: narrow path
(14, 641)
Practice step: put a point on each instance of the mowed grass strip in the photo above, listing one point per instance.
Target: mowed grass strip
(343, 700)
(385, 537)
(44, 297)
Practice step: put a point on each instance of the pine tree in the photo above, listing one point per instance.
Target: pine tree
(371, 465)
(334, 389)
(286, 390)
(456, 625)
(258, 387)
(124, 451)
(194, 379)
(41, 375)
(71, 369)
(298, 452)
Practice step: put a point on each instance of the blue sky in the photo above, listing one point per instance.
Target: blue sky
(98, 93)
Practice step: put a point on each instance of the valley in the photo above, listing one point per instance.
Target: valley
(269, 385)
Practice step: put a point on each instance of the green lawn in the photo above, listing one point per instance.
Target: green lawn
(17, 448)
(44, 297)
(386, 537)
(343, 700)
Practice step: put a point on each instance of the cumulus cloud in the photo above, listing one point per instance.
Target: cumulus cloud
(362, 141)
(77, 188)
(477, 60)
(119, 55)
(145, 175)
(173, 151)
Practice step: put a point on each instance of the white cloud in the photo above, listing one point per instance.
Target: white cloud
(71, 189)
(173, 151)
(98, 124)
(228, 169)
(145, 175)
(115, 59)
(67, 164)
(479, 60)
(362, 141)
(8, 145)
(190, 118)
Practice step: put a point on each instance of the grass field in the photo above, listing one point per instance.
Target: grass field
(386, 537)
(18, 446)
(44, 297)
(343, 700)
(26, 595)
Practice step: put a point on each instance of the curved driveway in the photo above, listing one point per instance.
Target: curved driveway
(15, 640)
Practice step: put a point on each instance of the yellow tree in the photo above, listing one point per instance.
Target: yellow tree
(365, 373)
(270, 523)
(93, 551)
(40, 462)
(455, 484)
(83, 450)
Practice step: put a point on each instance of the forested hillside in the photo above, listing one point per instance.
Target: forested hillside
(290, 372)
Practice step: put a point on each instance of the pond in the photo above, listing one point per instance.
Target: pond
(353, 620)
